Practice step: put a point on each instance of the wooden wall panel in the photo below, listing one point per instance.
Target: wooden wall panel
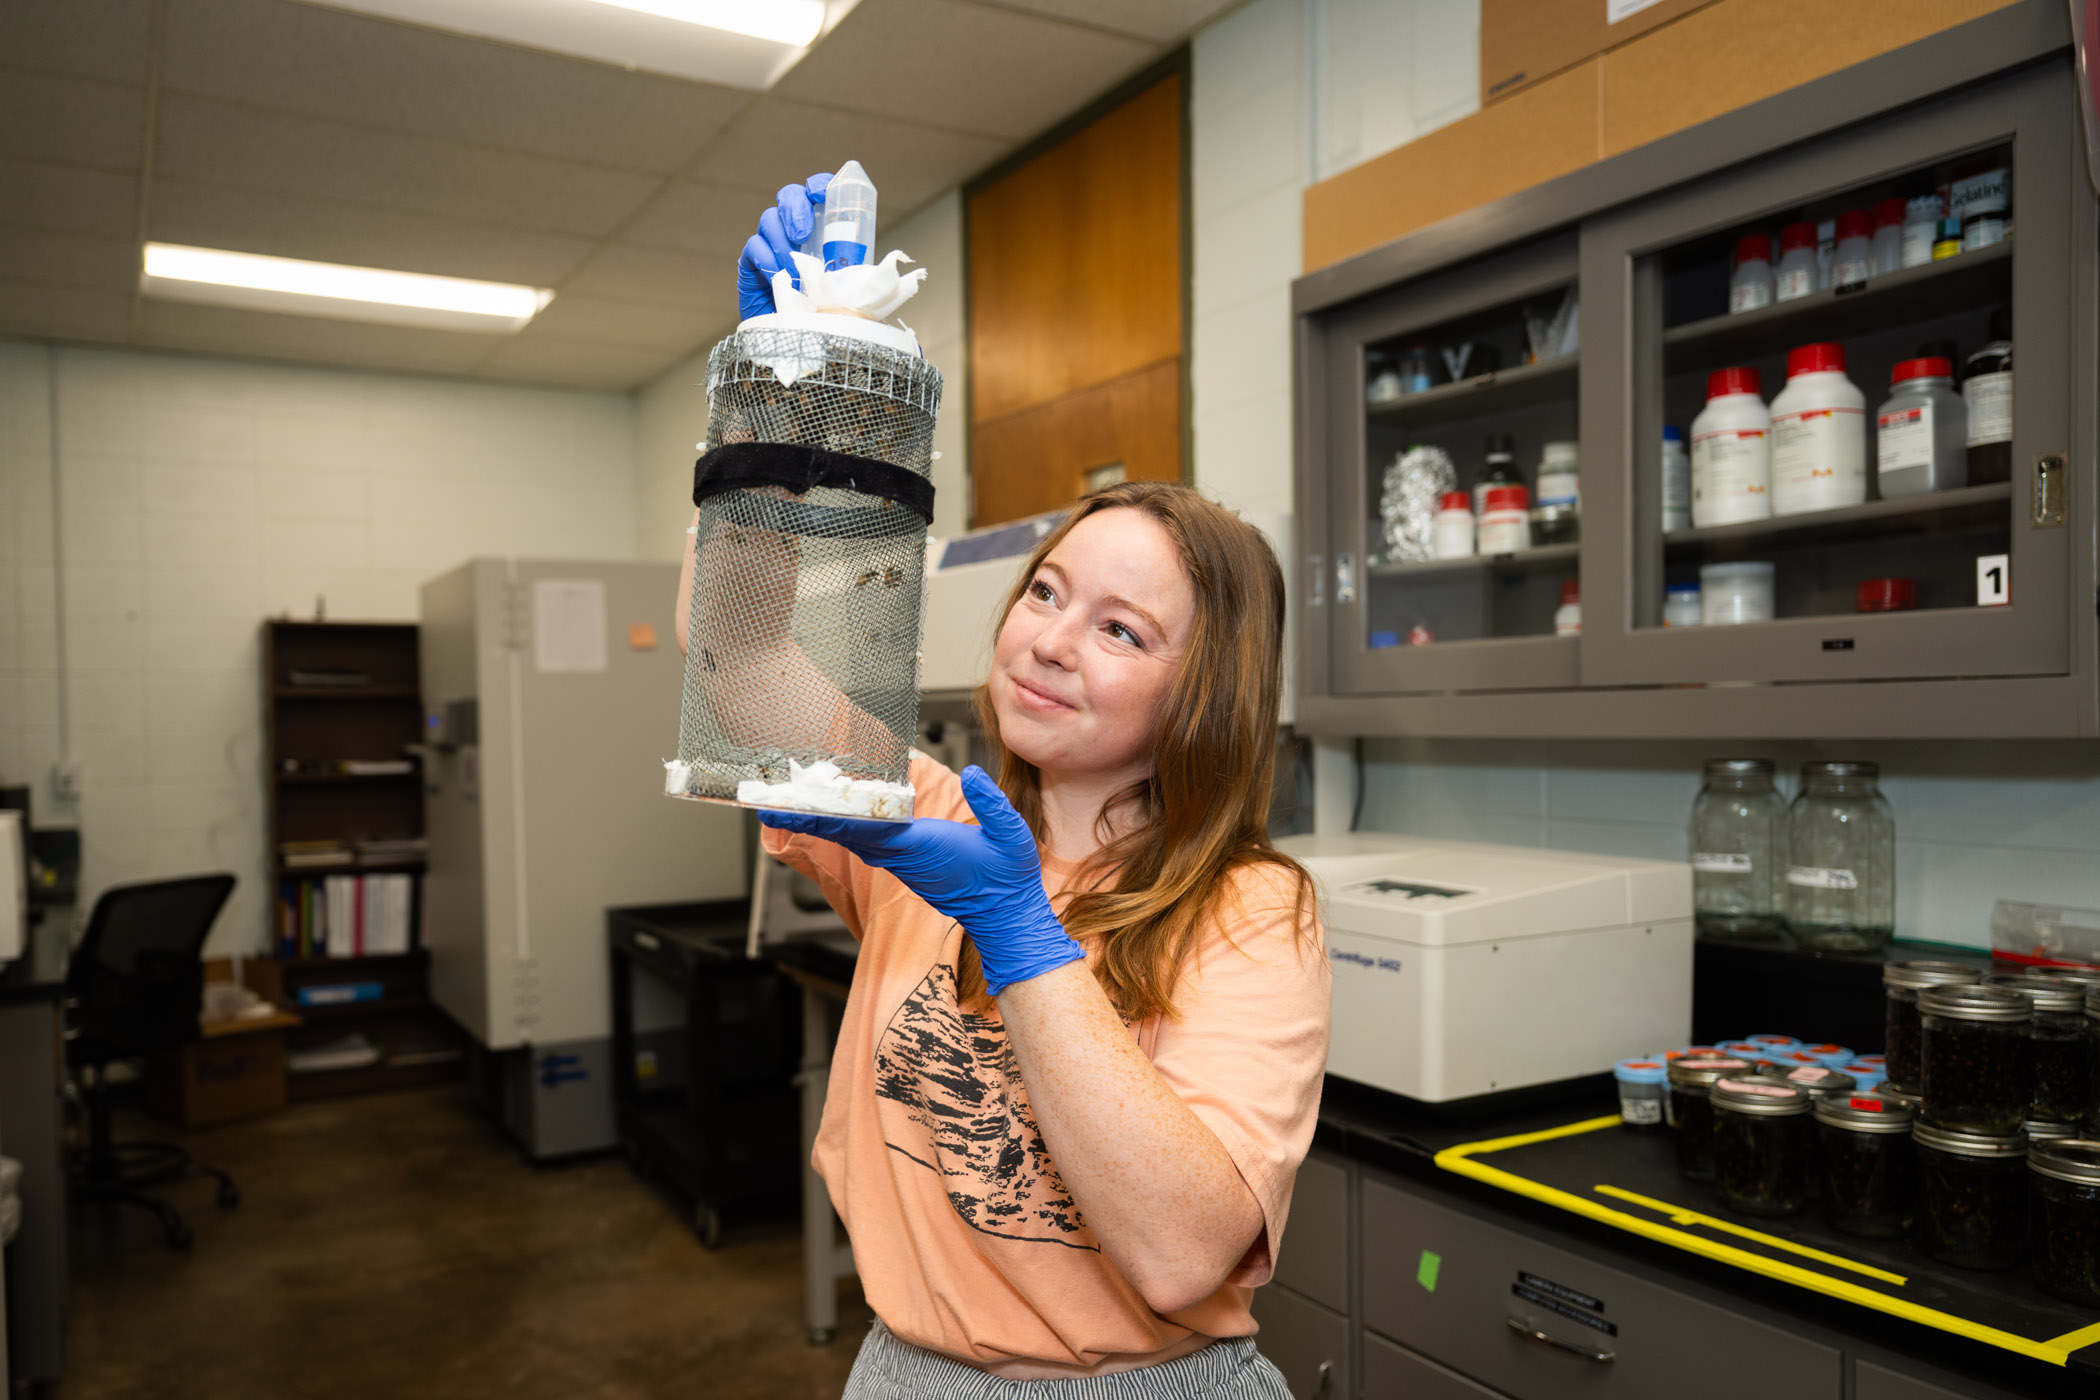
(1075, 259)
(1040, 456)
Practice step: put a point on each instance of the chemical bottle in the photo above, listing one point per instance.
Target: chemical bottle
(1567, 622)
(1454, 525)
(1852, 262)
(1554, 519)
(1796, 275)
(849, 218)
(1498, 468)
(1505, 526)
(1676, 483)
(1921, 437)
(1948, 244)
(1750, 285)
(1887, 252)
(1819, 433)
(1979, 202)
(1681, 607)
(1987, 388)
(1921, 228)
(1731, 451)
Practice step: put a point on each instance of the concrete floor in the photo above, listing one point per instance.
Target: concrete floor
(398, 1246)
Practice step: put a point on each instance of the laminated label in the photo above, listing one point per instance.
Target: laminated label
(1990, 408)
(1731, 471)
(1905, 439)
(1818, 459)
(1796, 282)
(1721, 862)
(1816, 877)
(1641, 1110)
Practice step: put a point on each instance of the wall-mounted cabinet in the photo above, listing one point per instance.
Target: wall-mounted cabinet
(1453, 339)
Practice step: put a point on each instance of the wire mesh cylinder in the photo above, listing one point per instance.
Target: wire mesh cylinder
(808, 594)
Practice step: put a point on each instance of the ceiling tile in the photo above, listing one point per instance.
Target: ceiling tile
(701, 218)
(45, 116)
(962, 66)
(353, 68)
(90, 38)
(624, 322)
(1159, 20)
(70, 259)
(580, 365)
(330, 230)
(251, 147)
(226, 330)
(778, 140)
(67, 199)
(625, 272)
(61, 313)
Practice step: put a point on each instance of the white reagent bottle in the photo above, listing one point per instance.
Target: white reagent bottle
(1731, 451)
(1819, 433)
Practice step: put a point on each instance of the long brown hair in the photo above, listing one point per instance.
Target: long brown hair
(1202, 813)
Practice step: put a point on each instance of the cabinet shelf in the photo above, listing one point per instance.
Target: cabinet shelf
(1497, 391)
(346, 692)
(410, 776)
(1545, 557)
(1912, 293)
(1969, 506)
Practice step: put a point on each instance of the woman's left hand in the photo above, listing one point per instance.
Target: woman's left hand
(988, 877)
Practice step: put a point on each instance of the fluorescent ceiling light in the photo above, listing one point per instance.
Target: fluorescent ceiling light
(216, 277)
(745, 44)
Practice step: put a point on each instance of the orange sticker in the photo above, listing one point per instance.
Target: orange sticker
(641, 636)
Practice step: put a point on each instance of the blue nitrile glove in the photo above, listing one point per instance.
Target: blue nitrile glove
(781, 230)
(987, 877)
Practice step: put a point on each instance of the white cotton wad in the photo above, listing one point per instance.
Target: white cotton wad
(874, 290)
(822, 787)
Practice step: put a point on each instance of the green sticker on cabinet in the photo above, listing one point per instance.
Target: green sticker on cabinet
(1425, 1272)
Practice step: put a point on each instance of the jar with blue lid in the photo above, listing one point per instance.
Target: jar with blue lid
(1643, 1089)
(1870, 1076)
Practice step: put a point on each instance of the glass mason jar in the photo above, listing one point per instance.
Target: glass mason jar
(1763, 1144)
(2056, 1043)
(1902, 981)
(1869, 1167)
(1821, 1081)
(1692, 1112)
(1972, 1197)
(1841, 860)
(1979, 1064)
(2065, 1233)
(1737, 839)
(2091, 1117)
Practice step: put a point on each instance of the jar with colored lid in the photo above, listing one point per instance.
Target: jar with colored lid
(1736, 856)
(1691, 1110)
(2063, 1083)
(1750, 284)
(1921, 439)
(1681, 605)
(1821, 1081)
(1868, 1164)
(1738, 592)
(1454, 525)
(1972, 1196)
(1819, 433)
(2043, 1130)
(1798, 273)
(1763, 1145)
(1901, 982)
(1869, 1077)
(1841, 859)
(1642, 1090)
(1505, 526)
(2065, 1234)
(1827, 1054)
(1887, 595)
(1773, 1043)
(1978, 1068)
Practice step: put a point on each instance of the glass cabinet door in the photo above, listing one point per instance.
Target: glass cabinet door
(1828, 517)
(1452, 553)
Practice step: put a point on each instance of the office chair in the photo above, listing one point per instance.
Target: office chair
(134, 986)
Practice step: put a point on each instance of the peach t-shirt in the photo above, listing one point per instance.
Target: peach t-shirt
(966, 1241)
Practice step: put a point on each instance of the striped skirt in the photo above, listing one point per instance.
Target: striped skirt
(1228, 1369)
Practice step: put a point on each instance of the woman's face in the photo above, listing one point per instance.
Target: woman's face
(1084, 660)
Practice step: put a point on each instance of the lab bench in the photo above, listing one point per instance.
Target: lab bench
(1545, 1252)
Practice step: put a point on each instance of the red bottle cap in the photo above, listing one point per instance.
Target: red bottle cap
(1753, 247)
(1801, 235)
(1456, 500)
(1570, 591)
(1931, 367)
(1888, 595)
(1855, 223)
(1815, 358)
(1508, 498)
(1740, 380)
(1888, 212)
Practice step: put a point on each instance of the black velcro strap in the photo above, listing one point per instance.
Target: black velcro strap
(740, 465)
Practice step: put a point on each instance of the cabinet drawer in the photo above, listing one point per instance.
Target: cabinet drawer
(1309, 1344)
(1314, 1259)
(1392, 1373)
(1545, 1324)
(1875, 1382)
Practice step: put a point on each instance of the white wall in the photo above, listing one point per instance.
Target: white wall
(193, 498)
(671, 411)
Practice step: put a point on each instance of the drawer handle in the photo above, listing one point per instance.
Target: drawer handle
(1525, 1329)
(1325, 1378)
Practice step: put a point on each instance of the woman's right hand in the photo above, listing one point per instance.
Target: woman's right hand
(781, 230)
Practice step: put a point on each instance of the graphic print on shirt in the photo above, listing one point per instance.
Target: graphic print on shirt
(949, 1097)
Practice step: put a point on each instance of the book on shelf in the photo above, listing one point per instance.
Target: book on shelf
(346, 916)
(310, 855)
(393, 848)
(353, 1051)
(374, 767)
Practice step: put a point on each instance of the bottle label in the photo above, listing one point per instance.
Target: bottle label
(1819, 459)
(1748, 296)
(1814, 877)
(1731, 473)
(1990, 408)
(1721, 862)
(1905, 439)
(1844, 273)
(1559, 488)
(1643, 1111)
(1917, 243)
(1977, 194)
(1796, 282)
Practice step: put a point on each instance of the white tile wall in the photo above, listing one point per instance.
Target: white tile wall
(199, 496)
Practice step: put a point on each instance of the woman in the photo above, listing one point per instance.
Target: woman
(1082, 1055)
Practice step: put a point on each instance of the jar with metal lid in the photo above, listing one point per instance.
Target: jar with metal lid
(2063, 1081)
(1763, 1145)
(1972, 1196)
(2091, 1117)
(1691, 1111)
(2043, 1130)
(2065, 1232)
(1868, 1164)
(1821, 1081)
(1737, 823)
(1978, 1065)
(1905, 1094)
(1841, 859)
(1902, 981)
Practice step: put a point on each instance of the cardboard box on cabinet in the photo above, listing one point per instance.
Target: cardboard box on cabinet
(1525, 41)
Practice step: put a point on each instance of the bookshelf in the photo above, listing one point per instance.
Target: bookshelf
(343, 783)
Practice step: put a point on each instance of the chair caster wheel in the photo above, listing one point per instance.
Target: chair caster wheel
(228, 1197)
